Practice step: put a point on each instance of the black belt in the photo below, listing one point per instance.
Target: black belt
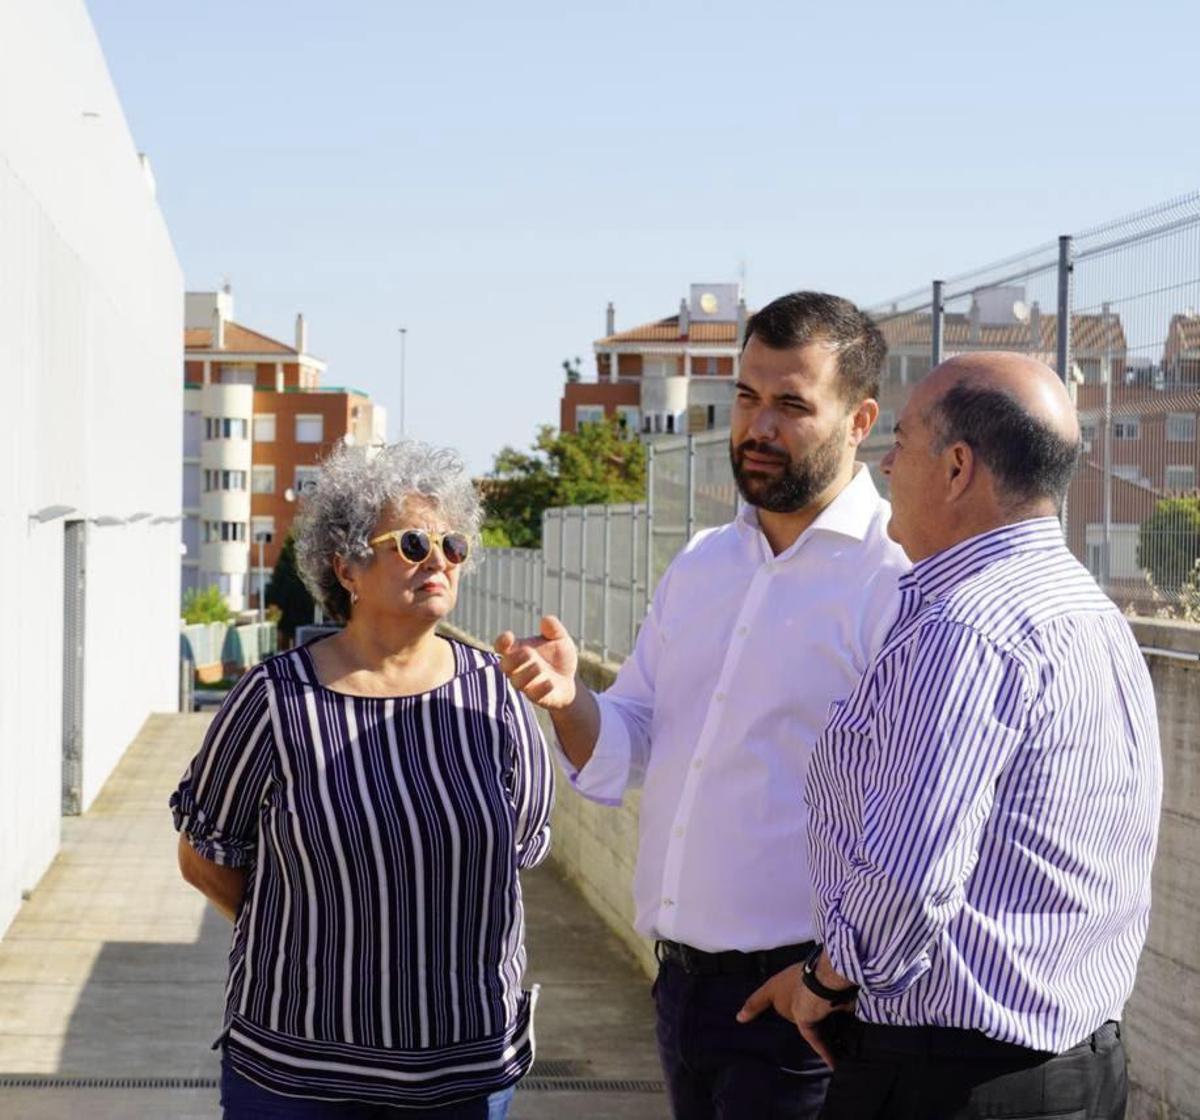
(955, 1042)
(759, 963)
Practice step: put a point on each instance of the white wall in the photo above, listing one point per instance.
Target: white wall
(90, 352)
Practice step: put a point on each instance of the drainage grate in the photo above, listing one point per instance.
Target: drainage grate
(587, 1085)
(547, 1077)
(32, 1081)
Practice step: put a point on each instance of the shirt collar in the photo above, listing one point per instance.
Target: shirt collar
(849, 514)
(945, 570)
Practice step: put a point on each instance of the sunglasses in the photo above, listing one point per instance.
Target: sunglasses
(416, 544)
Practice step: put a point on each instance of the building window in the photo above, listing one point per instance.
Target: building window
(262, 480)
(1088, 434)
(224, 427)
(306, 479)
(310, 429)
(240, 374)
(217, 531)
(264, 428)
(588, 414)
(628, 418)
(712, 366)
(1128, 472)
(263, 527)
(1181, 427)
(1126, 428)
(1181, 478)
(192, 427)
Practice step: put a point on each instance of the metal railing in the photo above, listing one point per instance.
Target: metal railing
(1116, 309)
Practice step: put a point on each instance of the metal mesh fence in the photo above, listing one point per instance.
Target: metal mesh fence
(1117, 307)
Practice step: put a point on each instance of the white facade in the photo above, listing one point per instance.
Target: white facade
(90, 329)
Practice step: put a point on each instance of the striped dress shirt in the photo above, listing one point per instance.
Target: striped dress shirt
(378, 952)
(983, 808)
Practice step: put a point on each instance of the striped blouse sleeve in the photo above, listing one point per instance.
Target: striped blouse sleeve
(950, 721)
(216, 803)
(533, 780)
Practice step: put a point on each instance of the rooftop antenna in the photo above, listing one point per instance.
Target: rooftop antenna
(742, 277)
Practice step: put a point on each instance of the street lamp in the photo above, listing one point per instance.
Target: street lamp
(403, 334)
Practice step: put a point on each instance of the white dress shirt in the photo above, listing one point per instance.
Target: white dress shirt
(716, 712)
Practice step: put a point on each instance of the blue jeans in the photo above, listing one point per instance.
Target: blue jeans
(719, 1069)
(242, 1099)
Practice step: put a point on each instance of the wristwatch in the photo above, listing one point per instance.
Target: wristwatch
(808, 976)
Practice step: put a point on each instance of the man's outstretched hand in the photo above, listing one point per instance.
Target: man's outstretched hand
(542, 668)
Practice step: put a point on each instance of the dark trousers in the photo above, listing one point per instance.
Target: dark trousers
(242, 1099)
(719, 1069)
(940, 1073)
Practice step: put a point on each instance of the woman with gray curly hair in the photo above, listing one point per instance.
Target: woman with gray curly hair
(360, 809)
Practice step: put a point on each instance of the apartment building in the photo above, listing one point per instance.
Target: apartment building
(666, 377)
(257, 423)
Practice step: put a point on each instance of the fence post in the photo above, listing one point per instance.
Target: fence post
(604, 590)
(649, 528)
(562, 564)
(633, 547)
(938, 313)
(1066, 268)
(1106, 550)
(689, 523)
(583, 520)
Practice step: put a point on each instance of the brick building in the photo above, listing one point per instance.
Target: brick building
(666, 377)
(257, 422)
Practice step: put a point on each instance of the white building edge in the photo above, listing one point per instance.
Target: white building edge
(91, 317)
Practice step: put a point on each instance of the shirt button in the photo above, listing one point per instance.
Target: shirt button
(743, 631)
(668, 902)
(697, 763)
(679, 830)
(720, 698)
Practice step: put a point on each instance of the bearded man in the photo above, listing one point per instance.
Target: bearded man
(756, 628)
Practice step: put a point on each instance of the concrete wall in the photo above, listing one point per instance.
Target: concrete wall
(1163, 1017)
(90, 345)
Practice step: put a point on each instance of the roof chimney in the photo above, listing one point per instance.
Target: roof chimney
(610, 319)
(683, 318)
(301, 334)
(218, 328)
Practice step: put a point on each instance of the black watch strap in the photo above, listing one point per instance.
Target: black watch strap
(808, 976)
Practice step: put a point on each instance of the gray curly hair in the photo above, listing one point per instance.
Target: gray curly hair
(355, 486)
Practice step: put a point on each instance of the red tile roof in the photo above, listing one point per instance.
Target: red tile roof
(1091, 334)
(667, 330)
(238, 339)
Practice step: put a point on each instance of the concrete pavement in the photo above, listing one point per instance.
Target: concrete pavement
(111, 976)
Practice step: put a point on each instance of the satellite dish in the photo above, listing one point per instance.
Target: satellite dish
(1020, 310)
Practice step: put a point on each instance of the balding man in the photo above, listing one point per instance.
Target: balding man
(983, 807)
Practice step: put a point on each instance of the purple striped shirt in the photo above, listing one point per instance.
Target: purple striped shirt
(983, 808)
(378, 952)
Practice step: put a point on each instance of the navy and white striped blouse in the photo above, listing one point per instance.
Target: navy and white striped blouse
(984, 807)
(378, 952)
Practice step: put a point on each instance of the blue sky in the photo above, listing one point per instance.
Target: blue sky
(489, 176)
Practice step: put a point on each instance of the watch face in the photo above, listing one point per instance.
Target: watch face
(709, 303)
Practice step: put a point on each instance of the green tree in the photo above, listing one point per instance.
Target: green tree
(1169, 542)
(286, 590)
(205, 605)
(597, 464)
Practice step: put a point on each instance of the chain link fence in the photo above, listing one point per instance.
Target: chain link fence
(1117, 307)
